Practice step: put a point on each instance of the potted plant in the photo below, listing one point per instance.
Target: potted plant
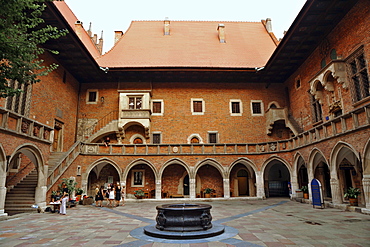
(139, 194)
(304, 189)
(352, 195)
(79, 193)
(207, 192)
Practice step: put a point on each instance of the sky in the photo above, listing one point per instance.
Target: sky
(116, 15)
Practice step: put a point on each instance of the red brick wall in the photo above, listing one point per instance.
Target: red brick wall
(349, 35)
(178, 123)
(52, 94)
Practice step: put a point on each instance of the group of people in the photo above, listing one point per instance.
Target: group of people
(113, 195)
(60, 200)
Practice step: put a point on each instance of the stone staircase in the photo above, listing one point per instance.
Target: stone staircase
(21, 198)
(54, 158)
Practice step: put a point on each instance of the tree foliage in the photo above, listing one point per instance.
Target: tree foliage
(21, 33)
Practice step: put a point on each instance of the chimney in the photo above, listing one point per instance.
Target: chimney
(89, 32)
(94, 38)
(269, 25)
(166, 26)
(117, 36)
(79, 28)
(99, 46)
(221, 33)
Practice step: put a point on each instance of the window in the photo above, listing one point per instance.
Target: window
(156, 138)
(137, 178)
(19, 103)
(257, 108)
(135, 103)
(197, 106)
(359, 76)
(298, 83)
(236, 107)
(194, 140)
(138, 140)
(157, 107)
(92, 96)
(212, 137)
(316, 109)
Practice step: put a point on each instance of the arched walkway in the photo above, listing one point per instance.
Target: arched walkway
(276, 178)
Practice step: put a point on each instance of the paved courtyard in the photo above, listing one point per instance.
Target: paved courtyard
(272, 222)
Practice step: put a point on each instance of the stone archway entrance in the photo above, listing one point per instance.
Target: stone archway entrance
(277, 178)
(242, 181)
(23, 181)
(102, 174)
(322, 173)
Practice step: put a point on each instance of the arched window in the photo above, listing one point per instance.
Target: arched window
(333, 54)
(194, 140)
(138, 140)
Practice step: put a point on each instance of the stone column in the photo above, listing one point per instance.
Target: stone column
(366, 188)
(260, 186)
(335, 192)
(2, 201)
(226, 188)
(192, 191)
(294, 186)
(40, 196)
(158, 189)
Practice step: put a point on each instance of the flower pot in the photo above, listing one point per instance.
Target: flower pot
(305, 195)
(353, 201)
(139, 197)
(208, 195)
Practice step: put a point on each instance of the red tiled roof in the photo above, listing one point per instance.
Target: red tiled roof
(190, 44)
(81, 33)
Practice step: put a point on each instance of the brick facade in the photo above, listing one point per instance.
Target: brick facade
(256, 150)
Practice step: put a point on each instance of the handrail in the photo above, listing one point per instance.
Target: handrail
(61, 166)
(89, 131)
(17, 173)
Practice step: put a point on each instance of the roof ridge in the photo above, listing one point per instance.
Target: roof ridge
(196, 21)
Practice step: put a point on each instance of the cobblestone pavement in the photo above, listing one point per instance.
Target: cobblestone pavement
(272, 222)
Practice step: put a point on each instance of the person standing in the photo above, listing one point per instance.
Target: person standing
(112, 195)
(118, 194)
(99, 196)
(63, 206)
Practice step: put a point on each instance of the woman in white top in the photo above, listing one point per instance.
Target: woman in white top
(112, 195)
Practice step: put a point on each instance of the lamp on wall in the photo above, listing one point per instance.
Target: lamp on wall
(102, 99)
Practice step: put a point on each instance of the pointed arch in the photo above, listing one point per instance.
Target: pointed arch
(138, 162)
(107, 161)
(366, 159)
(213, 163)
(176, 161)
(246, 162)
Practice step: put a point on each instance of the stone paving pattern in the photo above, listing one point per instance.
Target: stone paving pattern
(273, 222)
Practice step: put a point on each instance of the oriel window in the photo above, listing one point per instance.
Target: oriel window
(135, 103)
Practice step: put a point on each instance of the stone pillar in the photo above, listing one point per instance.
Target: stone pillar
(226, 188)
(192, 191)
(40, 196)
(260, 186)
(2, 201)
(366, 188)
(84, 187)
(294, 186)
(335, 192)
(158, 189)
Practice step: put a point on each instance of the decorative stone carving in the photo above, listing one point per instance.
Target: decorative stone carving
(272, 146)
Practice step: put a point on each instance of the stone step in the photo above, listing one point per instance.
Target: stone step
(12, 204)
(18, 195)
